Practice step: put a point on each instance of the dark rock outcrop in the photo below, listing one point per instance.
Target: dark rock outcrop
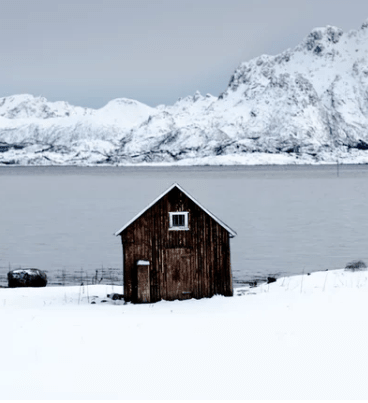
(27, 278)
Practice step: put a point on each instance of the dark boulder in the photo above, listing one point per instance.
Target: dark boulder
(27, 278)
(115, 296)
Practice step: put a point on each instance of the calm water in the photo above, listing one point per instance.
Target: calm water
(288, 219)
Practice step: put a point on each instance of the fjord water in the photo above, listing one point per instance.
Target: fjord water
(289, 219)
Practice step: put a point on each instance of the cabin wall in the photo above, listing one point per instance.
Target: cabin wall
(203, 250)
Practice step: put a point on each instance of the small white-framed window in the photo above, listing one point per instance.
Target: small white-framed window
(178, 221)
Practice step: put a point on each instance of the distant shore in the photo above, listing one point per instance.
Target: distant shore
(353, 157)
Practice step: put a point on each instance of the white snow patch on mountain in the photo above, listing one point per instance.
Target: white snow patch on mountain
(308, 104)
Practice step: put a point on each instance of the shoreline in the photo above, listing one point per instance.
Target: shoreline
(177, 165)
(354, 157)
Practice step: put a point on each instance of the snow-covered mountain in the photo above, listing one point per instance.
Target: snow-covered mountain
(307, 104)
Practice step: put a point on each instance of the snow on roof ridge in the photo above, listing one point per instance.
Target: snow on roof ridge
(226, 227)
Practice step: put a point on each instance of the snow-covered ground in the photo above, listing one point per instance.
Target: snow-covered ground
(303, 337)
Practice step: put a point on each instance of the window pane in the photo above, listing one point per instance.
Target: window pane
(178, 220)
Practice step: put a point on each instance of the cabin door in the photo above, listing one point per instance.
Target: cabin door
(143, 281)
(178, 267)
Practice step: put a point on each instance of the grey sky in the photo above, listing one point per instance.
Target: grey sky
(88, 52)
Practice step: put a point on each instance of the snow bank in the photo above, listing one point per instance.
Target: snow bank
(302, 337)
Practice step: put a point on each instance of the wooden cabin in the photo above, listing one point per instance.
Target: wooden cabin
(175, 249)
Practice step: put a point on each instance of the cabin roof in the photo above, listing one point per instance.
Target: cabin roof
(227, 228)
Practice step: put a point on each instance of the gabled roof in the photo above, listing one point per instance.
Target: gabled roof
(228, 229)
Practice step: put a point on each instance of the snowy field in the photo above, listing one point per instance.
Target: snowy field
(303, 337)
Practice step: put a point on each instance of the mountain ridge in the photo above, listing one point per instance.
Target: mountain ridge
(308, 104)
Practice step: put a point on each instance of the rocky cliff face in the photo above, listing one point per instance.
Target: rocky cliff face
(309, 103)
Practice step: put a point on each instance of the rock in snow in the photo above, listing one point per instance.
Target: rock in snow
(309, 103)
(27, 278)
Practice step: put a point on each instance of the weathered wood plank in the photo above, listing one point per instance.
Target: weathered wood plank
(143, 292)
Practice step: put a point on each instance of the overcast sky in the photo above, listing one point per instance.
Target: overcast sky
(88, 52)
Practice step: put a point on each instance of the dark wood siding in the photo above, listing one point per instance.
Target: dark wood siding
(201, 253)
